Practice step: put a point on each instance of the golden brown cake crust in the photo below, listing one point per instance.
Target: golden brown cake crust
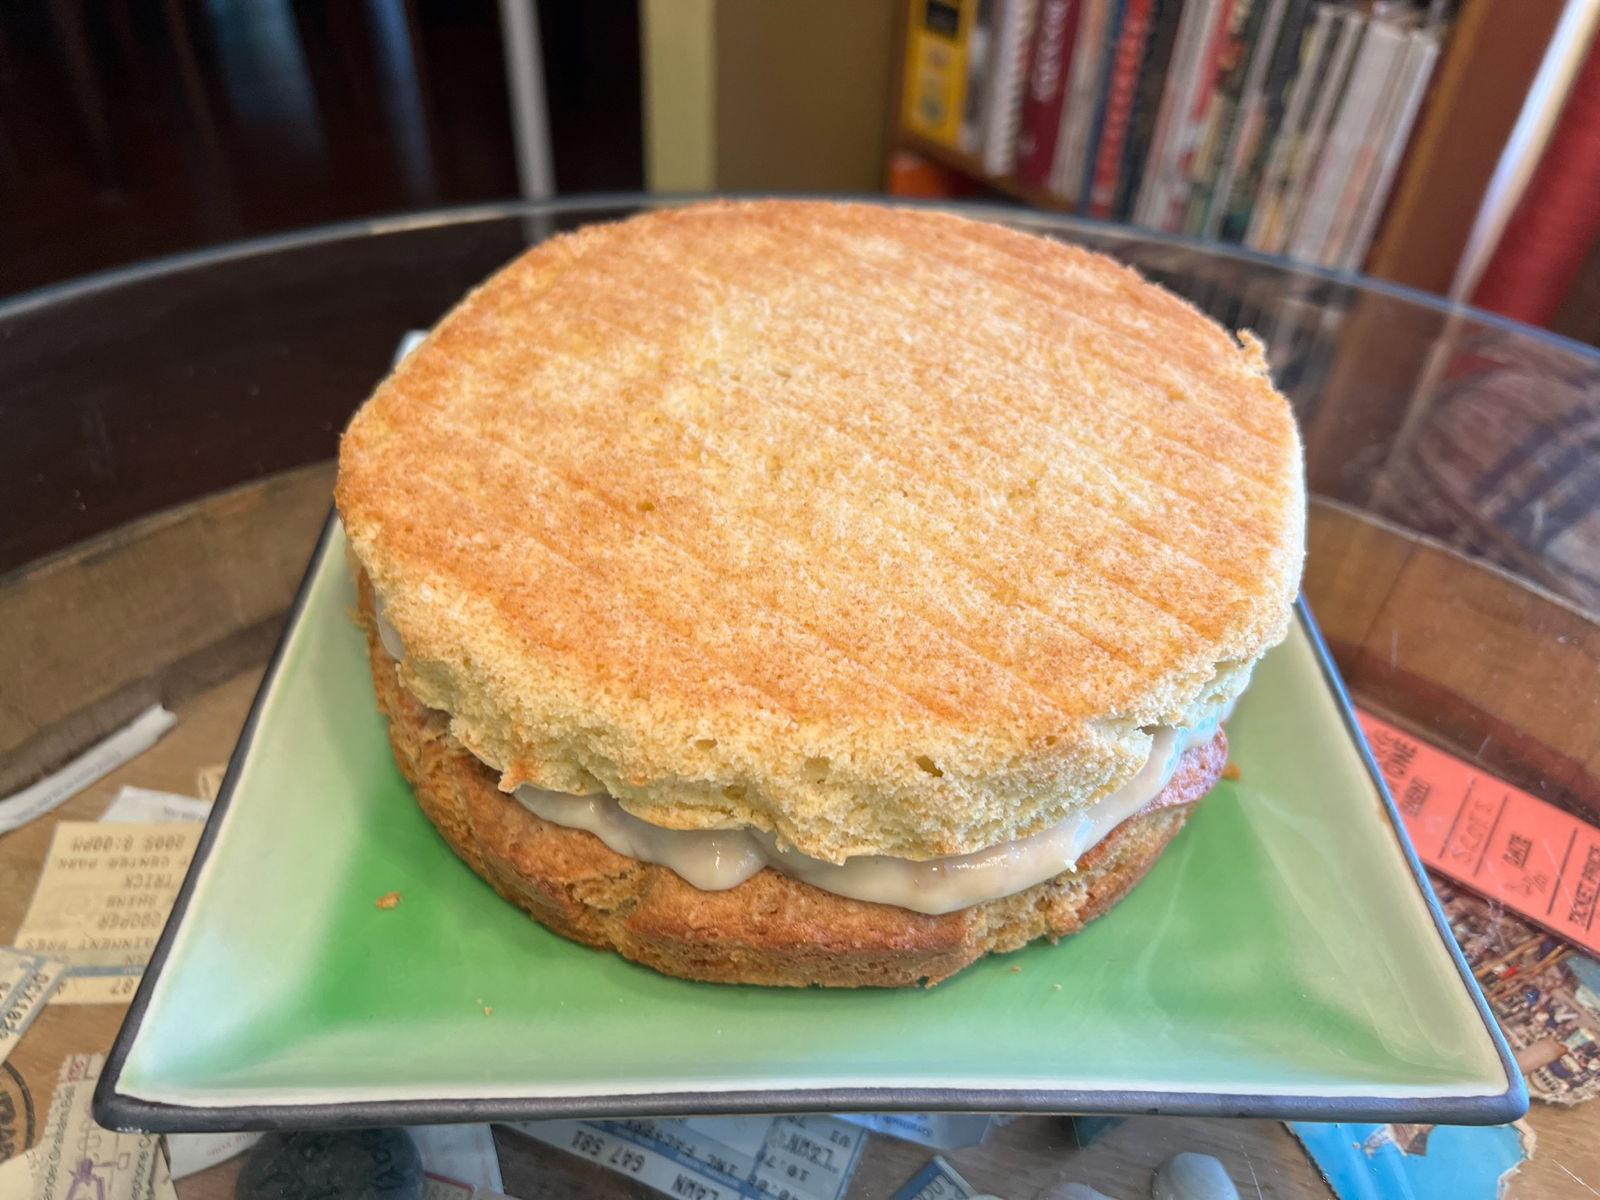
(886, 531)
(771, 929)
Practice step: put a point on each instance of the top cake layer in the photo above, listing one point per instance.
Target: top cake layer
(886, 531)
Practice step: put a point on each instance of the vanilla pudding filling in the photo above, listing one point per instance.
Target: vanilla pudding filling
(717, 859)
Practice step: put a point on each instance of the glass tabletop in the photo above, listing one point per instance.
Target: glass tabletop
(132, 391)
(1453, 456)
(129, 391)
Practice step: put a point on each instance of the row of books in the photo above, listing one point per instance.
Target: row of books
(1279, 124)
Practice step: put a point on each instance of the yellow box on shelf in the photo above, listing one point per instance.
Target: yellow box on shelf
(934, 90)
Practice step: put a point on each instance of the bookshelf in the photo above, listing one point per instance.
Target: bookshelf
(969, 165)
(1397, 129)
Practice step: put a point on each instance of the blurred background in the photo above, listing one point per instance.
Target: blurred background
(1453, 147)
(166, 436)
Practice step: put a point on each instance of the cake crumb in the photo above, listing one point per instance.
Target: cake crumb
(1055, 987)
(1231, 771)
(488, 1010)
(388, 900)
(1016, 968)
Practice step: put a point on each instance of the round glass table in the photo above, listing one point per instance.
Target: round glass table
(165, 465)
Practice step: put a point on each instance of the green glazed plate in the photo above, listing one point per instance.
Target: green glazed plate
(1284, 958)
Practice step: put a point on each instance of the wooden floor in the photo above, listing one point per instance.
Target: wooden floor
(133, 128)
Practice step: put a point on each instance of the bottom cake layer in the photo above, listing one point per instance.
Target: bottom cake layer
(771, 929)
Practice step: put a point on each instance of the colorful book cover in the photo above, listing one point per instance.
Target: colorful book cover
(1122, 88)
(1187, 56)
(1350, 26)
(1055, 31)
(1233, 58)
(1187, 131)
(1266, 206)
(1153, 79)
(1091, 150)
(1004, 105)
(1245, 124)
(1330, 201)
(1266, 119)
(1083, 88)
(1179, 65)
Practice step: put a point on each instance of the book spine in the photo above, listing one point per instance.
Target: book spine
(1146, 105)
(1267, 204)
(1170, 216)
(1391, 46)
(1247, 120)
(1122, 85)
(1425, 57)
(1277, 88)
(1361, 95)
(1005, 99)
(1304, 166)
(1180, 72)
(980, 75)
(1221, 104)
(1082, 89)
(934, 92)
(1055, 30)
(1192, 37)
(1096, 124)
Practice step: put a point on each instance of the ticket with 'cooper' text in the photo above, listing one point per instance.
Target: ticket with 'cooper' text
(102, 900)
(1501, 842)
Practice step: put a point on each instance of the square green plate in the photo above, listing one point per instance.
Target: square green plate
(1284, 958)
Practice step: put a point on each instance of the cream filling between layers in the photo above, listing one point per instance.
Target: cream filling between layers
(717, 859)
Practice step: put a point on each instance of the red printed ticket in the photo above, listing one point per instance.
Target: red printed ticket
(1501, 842)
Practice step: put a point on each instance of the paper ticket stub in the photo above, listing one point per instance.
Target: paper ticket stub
(190, 1153)
(101, 901)
(719, 1158)
(1499, 841)
(942, 1131)
(937, 1180)
(208, 781)
(95, 763)
(161, 1185)
(76, 1159)
(16, 1174)
(460, 1154)
(26, 982)
(438, 1187)
(143, 805)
